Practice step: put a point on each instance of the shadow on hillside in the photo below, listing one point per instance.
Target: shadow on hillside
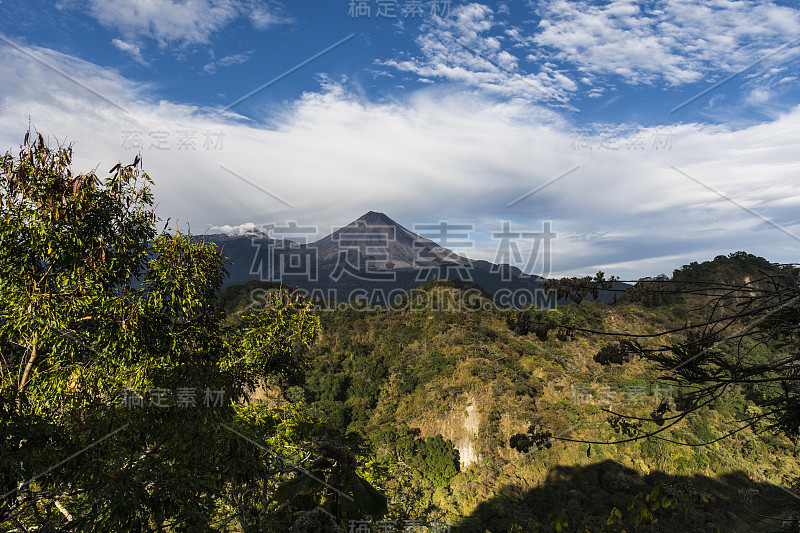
(589, 493)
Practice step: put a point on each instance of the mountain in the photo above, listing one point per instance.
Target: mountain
(376, 230)
(371, 257)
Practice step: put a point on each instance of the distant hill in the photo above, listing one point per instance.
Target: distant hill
(693, 282)
(370, 258)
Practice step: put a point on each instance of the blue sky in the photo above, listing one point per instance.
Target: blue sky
(649, 133)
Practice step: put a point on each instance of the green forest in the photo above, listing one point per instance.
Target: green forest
(138, 395)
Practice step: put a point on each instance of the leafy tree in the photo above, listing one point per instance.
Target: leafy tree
(577, 289)
(441, 460)
(346, 495)
(71, 247)
(743, 343)
(94, 303)
(617, 353)
(541, 322)
(649, 292)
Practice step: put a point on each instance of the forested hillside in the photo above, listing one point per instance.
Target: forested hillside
(384, 379)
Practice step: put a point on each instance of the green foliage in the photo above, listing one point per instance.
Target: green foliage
(745, 299)
(577, 289)
(649, 292)
(346, 494)
(724, 269)
(615, 354)
(434, 458)
(440, 460)
(541, 321)
(94, 302)
(377, 370)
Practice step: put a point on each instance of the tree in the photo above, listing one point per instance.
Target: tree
(649, 292)
(105, 324)
(71, 245)
(577, 289)
(749, 342)
(440, 460)
(541, 322)
(346, 495)
(614, 354)
(740, 343)
(744, 340)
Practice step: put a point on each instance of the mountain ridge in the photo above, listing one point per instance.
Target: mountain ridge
(371, 253)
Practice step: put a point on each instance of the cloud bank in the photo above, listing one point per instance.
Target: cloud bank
(440, 154)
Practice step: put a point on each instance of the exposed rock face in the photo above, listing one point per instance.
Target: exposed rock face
(465, 445)
(466, 441)
(466, 452)
(461, 428)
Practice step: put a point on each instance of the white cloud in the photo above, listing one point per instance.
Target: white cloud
(459, 49)
(265, 16)
(185, 22)
(131, 49)
(247, 227)
(440, 155)
(235, 59)
(227, 61)
(679, 42)
(668, 41)
(759, 95)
